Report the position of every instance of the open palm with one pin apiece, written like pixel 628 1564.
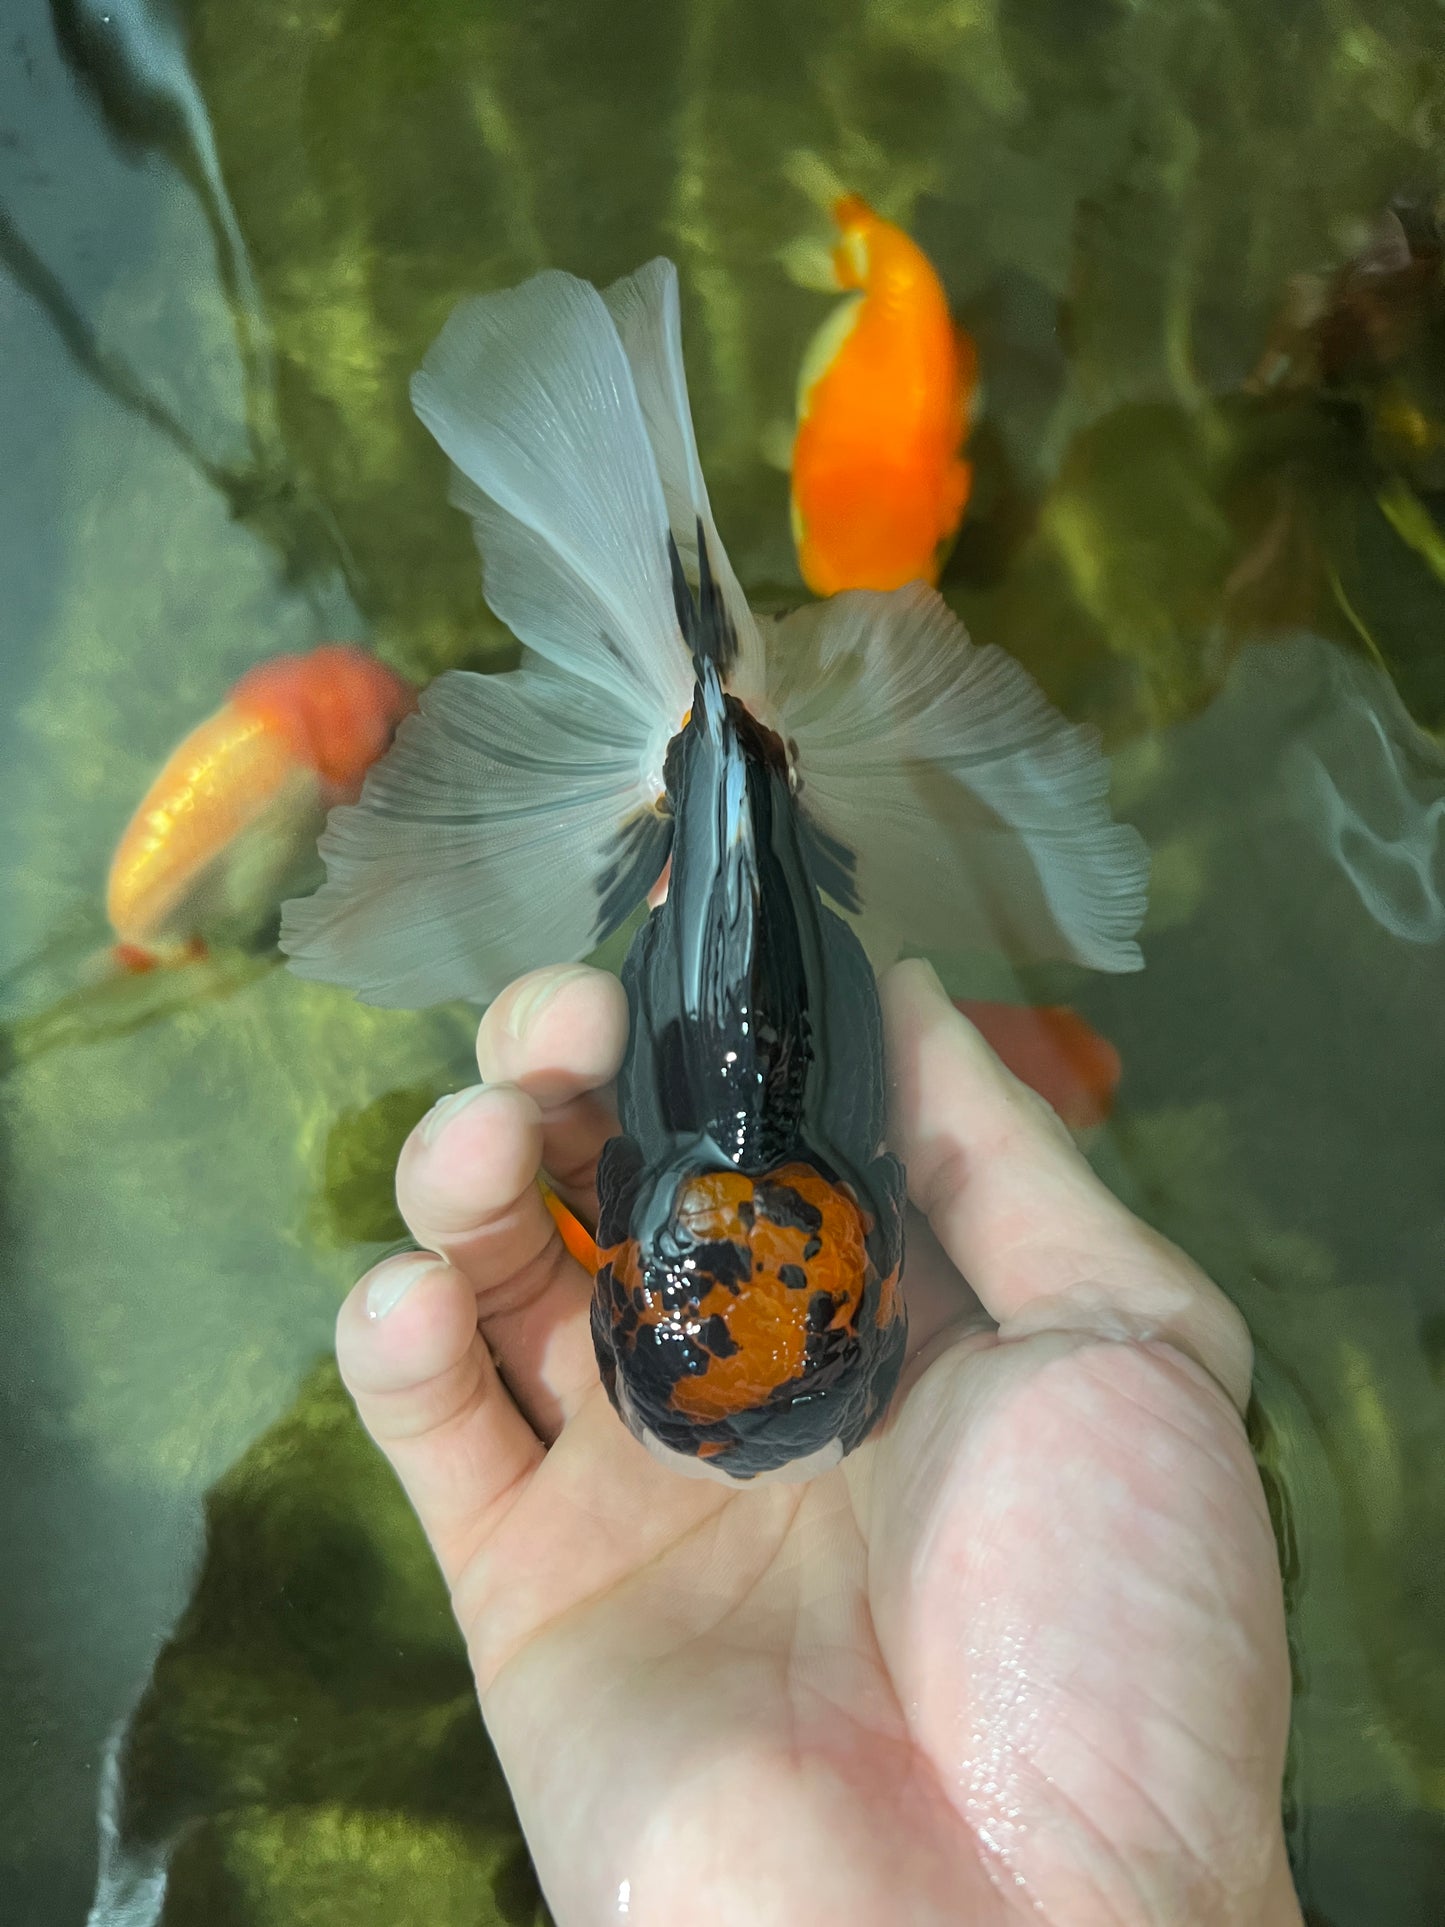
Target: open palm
pixel 1020 1657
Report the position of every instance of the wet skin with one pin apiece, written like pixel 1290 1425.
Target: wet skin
pixel 1021 1657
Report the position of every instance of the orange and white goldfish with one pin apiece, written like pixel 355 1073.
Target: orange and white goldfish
pixel 879 483
pixel 857 759
pixel 1056 1053
pixel 233 817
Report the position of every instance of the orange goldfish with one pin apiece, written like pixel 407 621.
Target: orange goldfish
pixel 884 401
pixel 1052 1050
pixel 236 811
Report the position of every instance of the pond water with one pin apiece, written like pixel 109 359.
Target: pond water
pixel 227 234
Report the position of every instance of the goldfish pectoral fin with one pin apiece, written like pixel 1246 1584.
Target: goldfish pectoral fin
pixel 957 487
pixel 646 313
pixel 138 959
pixel 974 814
pixel 808 263
pixel 133 959
pixel 576 548
pixel 812 177
pixel 499 834
pixel 775 445
pixel 969 385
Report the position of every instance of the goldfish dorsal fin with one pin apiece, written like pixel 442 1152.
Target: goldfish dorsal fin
pixel 645 309
pixel 704 619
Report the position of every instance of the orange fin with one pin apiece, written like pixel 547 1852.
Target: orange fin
pixel 134 959
pixel 574 1233
pixel 1052 1050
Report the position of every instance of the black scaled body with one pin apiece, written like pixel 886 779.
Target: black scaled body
pixel 747 1309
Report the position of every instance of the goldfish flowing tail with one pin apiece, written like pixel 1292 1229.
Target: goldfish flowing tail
pixel 517 820
pixel 976 816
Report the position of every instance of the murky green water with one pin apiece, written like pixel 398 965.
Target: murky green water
pixel 215 279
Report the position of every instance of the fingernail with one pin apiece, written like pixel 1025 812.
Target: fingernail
pixel 446 1108
pixel 535 998
pixel 389 1287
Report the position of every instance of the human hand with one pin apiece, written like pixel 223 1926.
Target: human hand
pixel 1021 1656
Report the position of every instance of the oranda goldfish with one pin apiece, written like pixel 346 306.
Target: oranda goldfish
pixel 230 823
pixel 1056 1053
pixel 858 760
pixel 884 399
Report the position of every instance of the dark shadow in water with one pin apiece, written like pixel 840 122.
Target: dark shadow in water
pixel 99 1013
pixel 245 489
pixel 310 1736
pixel 266 494
pixel 129 57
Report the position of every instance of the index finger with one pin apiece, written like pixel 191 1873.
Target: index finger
pixel 1014 1203
pixel 559 1035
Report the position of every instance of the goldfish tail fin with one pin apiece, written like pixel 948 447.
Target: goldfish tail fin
pixel 974 815
pixel 530 393
pixel 516 820
pixel 507 828
pixel 811 176
pixel 565 413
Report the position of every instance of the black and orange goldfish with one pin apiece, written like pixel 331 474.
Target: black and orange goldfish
pixel 855 774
